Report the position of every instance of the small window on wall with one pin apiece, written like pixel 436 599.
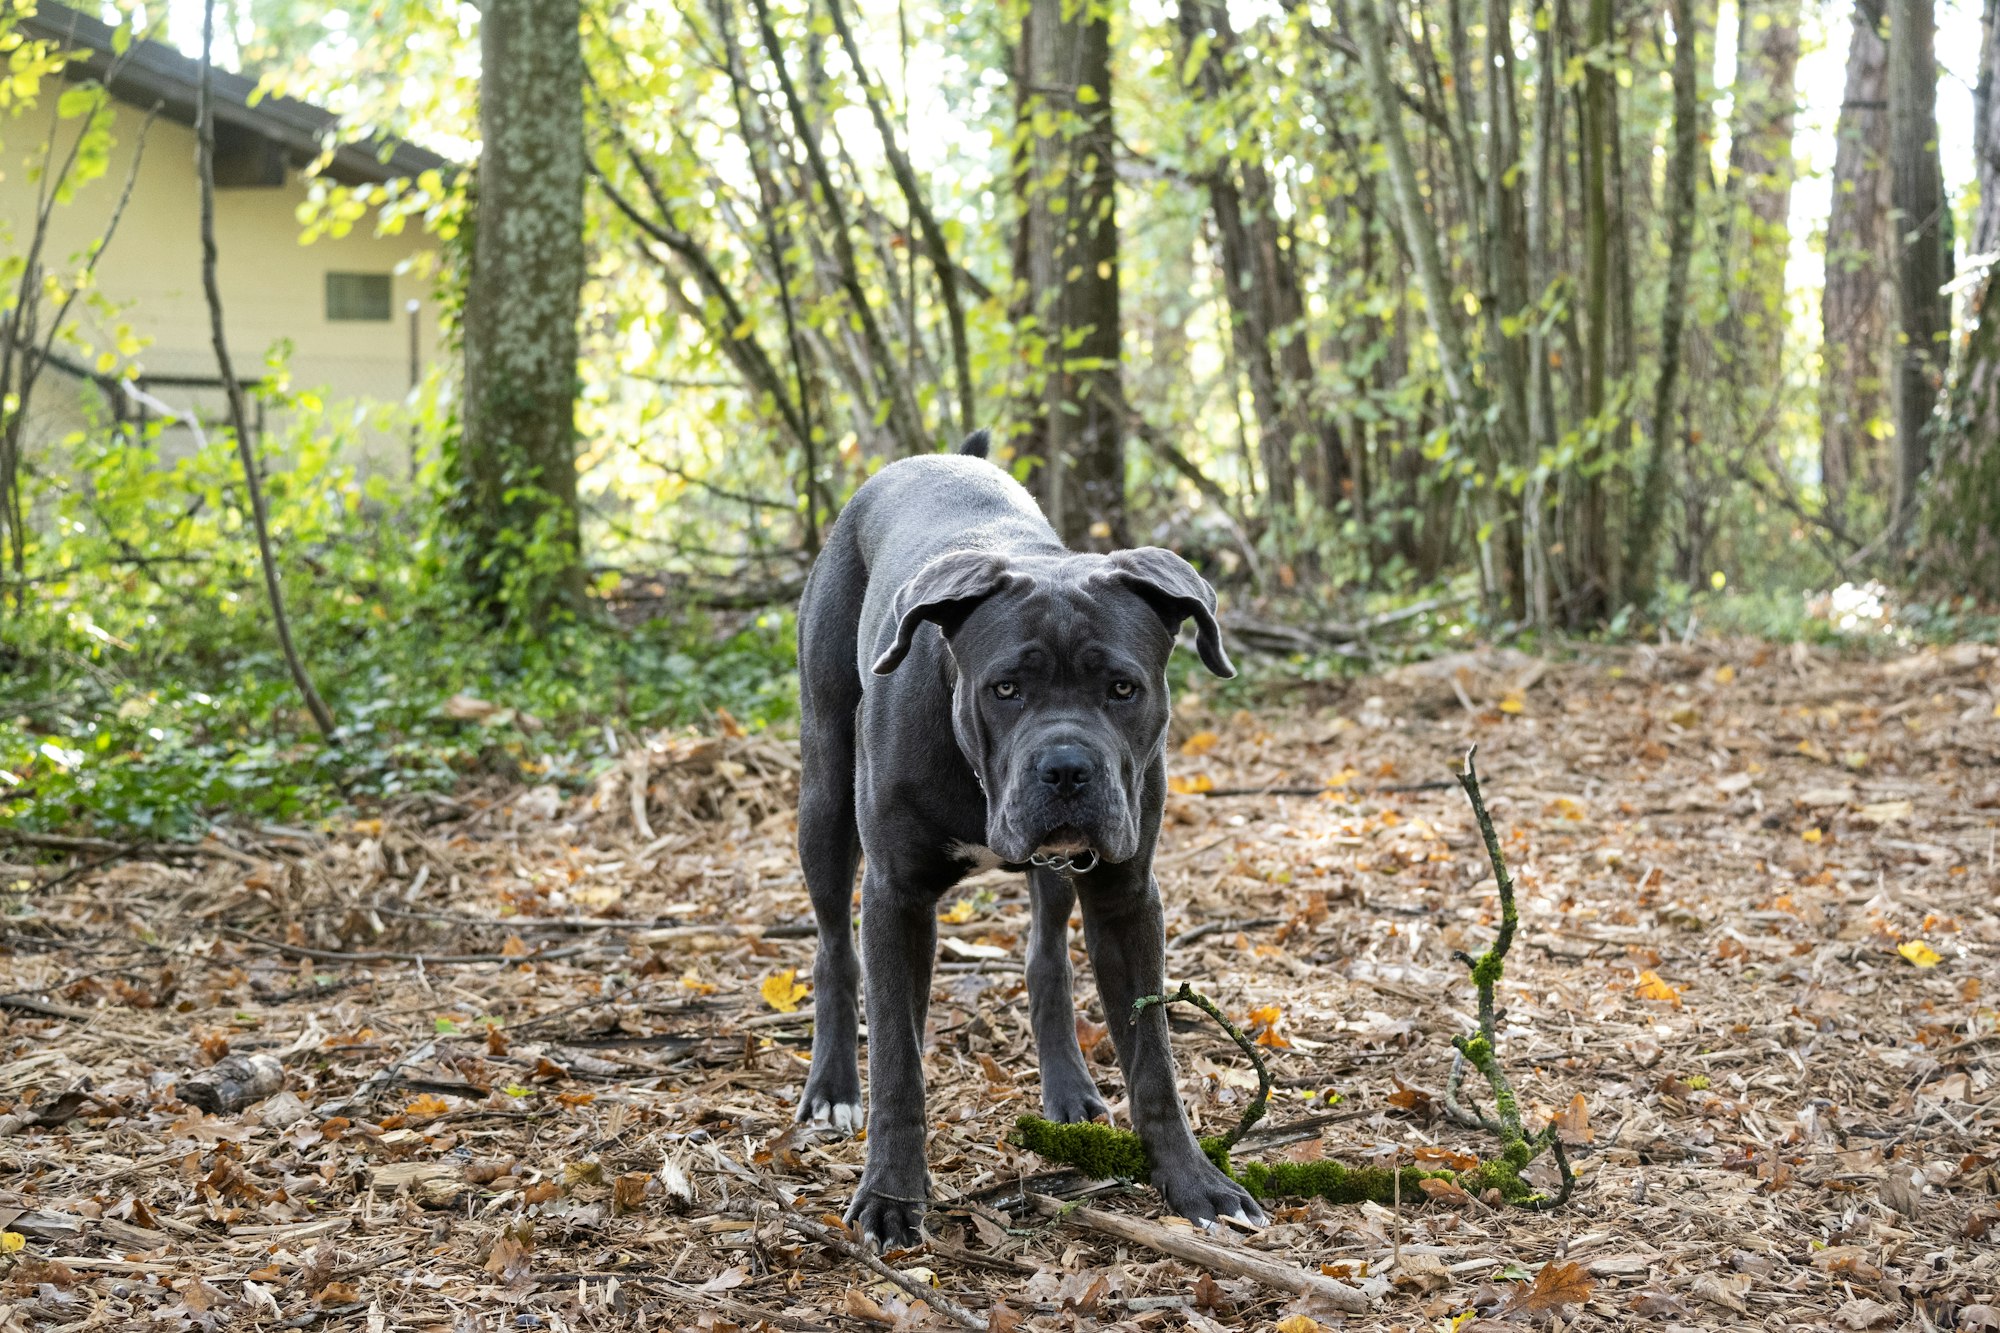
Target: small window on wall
pixel 358 296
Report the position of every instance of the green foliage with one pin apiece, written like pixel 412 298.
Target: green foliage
pixel 144 692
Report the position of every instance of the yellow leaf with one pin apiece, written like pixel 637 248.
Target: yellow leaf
pixel 12 1241
pixel 429 1106
pixel 1299 1323
pixel 1920 953
pixel 1513 703
pixel 960 913
pixel 1812 835
pixel 1724 674
pixel 1193 786
pixel 691 980
pixel 1200 743
pixel 783 991
pixel 1650 987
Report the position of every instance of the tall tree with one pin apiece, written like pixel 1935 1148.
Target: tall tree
pixel 517 450
pixel 1761 174
pixel 1067 255
pixel 1682 179
pixel 1963 507
pixel 1858 301
pixel 1923 313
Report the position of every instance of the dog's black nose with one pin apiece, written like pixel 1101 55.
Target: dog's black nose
pixel 1066 768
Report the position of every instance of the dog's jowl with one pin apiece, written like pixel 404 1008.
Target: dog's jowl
pixel 972 693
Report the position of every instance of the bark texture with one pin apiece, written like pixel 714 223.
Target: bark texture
pixel 1067 254
pixel 1923 315
pixel 517 453
pixel 1859 297
pixel 1762 171
pixel 1963 537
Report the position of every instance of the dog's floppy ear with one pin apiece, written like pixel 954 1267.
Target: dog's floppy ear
pixel 945 591
pixel 1173 589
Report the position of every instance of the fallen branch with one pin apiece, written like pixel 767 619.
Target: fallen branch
pixel 1229 1260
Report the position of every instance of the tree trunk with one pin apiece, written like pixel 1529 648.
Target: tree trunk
pixel 1761 172
pixel 1069 257
pixel 1859 297
pixel 1591 558
pixel 517 451
pixel 1963 507
pixel 1923 315
pixel 1681 181
pixel 1986 136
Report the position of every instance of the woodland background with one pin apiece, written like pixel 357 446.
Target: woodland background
pixel 1411 324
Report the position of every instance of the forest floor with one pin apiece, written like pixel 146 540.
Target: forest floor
pixel 540 1054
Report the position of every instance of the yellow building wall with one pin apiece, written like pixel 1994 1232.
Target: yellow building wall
pixel 273 287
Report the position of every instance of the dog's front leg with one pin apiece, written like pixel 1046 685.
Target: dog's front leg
pixel 898 942
pixel 1069 1094
pixel 1126 932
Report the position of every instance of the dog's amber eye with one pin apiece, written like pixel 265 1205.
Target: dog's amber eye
pixel 1007 689
pixel 1123 689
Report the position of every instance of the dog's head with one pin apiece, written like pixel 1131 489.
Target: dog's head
pixel 1059 684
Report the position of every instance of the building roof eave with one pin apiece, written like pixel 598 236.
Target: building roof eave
pixel 153 75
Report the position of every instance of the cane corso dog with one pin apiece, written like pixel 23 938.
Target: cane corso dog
pixel 972 694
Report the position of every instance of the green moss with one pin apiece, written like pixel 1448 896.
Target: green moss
pixel 1099 1151
pixel 1487 970
pixel 1335 1182
pixel 1104 1153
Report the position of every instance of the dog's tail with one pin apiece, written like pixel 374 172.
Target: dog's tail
pixel 976 444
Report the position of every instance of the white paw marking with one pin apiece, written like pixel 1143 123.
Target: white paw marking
pixel 840 1117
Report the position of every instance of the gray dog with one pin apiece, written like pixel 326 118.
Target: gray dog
pixel 972 694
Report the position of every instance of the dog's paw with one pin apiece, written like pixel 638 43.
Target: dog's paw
pixel 886 1223
pixel 1201 1193
pixel 1069 1103
pixel 836 1117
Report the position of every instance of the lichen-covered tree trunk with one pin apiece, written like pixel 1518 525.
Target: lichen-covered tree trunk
pixel 1923 315
pixel 1068 254
pixel 1859 297
pixel 517 449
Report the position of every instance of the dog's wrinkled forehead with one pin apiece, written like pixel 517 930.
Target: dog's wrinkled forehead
pixel 1064 613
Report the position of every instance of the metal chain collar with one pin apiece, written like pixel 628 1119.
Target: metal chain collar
pixel 1066 865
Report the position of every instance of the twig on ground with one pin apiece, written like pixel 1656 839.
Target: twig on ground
pixel 112 848
pixel 834 1240
pixel 375 1082
pixel 1229 1260
pixel 1219 1148
pixel 1203 931
pixel 388 956
pixel 681 1291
